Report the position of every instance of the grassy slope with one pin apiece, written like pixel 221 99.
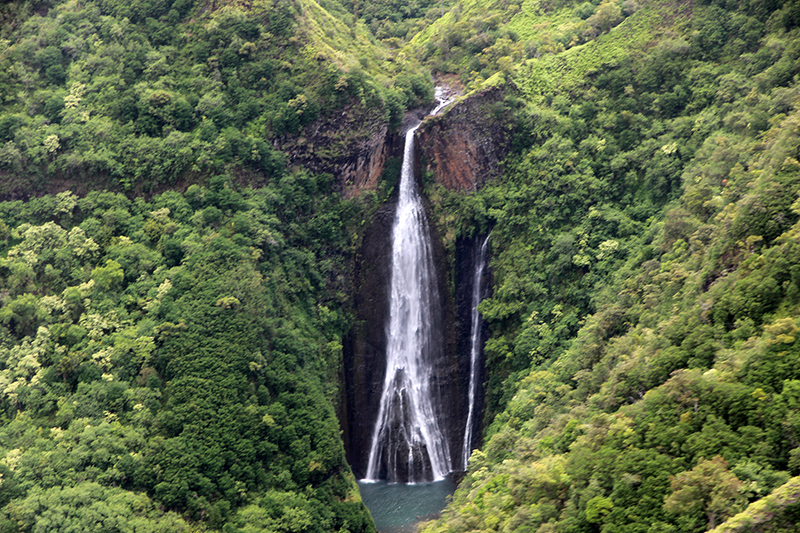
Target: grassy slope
pixel 563 72
pixel 645 311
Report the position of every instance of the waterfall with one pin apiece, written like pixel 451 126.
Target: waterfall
pixel 408 443
pixel 475 349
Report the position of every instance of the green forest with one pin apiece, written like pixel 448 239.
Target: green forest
pixel 177 259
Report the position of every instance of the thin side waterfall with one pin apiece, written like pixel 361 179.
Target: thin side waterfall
pixel 408 444
pixel 475 349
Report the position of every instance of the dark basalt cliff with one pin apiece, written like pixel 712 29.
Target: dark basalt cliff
pixel 467 252
pixel 365 346
pixel 463 147
pixel 353 146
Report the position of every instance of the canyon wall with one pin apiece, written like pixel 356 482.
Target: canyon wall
pixel 462 148
pixel 353 146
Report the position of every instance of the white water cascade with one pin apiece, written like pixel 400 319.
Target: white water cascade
pixel 475 350
pixel 407 442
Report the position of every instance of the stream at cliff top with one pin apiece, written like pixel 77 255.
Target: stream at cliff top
pixel 399 507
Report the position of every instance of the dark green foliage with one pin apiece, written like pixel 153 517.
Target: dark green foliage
pixel 395 21
pixel 174 361
pixel 644 313
pixel 141 96
pixel 181 361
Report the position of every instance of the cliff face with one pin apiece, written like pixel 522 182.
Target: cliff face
pixel 365 346
pixel 463 147
pixel 353 146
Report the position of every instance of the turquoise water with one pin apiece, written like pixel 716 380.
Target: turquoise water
pixel 398 508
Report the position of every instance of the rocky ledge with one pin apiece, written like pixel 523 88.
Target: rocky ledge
pixel 463 146
pixel 353 145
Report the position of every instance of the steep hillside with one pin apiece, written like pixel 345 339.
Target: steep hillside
pixel 643 362
pixel 171 351
pixel 777 512
pixel 172 363
pixel 146 96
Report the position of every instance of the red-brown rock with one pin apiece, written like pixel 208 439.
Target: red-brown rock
pixel 463 147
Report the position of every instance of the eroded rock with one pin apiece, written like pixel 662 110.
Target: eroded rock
pixel 463 147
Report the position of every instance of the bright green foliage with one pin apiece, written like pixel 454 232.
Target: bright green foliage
pixel 708 487
pixel 171 355
pixel 477 38
pixel 644 236
pixel 142 99
pixel 777 512
pixel 394 21
pixel 93 507
pixel 598 508
pixel 472 40
pixel 174 361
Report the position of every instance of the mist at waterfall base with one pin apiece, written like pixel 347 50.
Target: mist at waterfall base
pixel 399 507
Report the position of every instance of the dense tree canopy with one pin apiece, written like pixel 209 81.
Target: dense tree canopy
pixel 644 231
pixel 174 287
pixel 173 355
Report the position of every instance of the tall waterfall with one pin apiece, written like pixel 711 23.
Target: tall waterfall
pixel 475 350
pixel 408 443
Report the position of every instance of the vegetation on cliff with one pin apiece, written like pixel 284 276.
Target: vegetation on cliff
pixel 171 363
pixel 146 96
pixel 643 362
pixel 170 359
pixel 175 356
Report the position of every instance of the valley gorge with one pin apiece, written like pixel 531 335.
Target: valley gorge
pixel 207 209
pixel 452 372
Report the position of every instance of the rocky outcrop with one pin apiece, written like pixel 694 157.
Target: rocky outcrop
pixel 365 344
pixel 353 146
pixel 451 394
pixel 463 147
